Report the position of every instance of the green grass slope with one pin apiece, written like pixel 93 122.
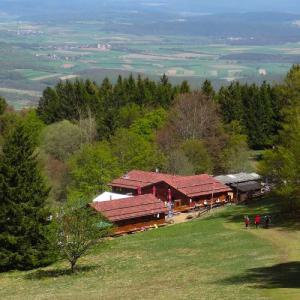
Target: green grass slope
pixel 210 258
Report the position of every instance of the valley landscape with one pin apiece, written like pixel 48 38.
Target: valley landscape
pixel 39 49
pixel 150 149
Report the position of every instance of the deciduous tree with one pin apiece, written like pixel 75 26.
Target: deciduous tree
pixel 75 230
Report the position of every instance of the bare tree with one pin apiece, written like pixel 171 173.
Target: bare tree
pixel 88 127
pixel 194 116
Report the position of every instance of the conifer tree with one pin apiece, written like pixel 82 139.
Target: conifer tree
pixel 3 105
pixel 208 89
pixel 23 213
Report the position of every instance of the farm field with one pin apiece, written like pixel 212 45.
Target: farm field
pixel 36 55
pixel 209 258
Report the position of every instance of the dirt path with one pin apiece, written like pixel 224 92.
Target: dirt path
pixel 287 244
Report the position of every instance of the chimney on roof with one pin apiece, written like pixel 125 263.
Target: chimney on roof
pixel 157 170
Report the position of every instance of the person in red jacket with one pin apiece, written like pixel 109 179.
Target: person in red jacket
pixel 257 221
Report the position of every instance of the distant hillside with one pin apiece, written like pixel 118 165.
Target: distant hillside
pixel 55 9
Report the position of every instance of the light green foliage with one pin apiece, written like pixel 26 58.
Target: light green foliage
pixel 291 87
pixel 75 230
pixel 34 125
pixel 61 139
pixel 91 169
pixel 88 130
pixel 198 156
pixel 282 164
pixel 178 163
pixel 235 155
pixel 150 123
pixel 134 152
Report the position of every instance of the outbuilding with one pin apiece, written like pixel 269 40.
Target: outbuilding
pixel 244 185
pixel 133 213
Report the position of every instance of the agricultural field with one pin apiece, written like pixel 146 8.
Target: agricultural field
pixel 36 55
pixel 209 258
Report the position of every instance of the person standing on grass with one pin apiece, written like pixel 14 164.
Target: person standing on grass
pixel 257 221
pixel 267 221
pixel 247 222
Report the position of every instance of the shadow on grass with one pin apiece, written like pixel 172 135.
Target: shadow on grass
pixel 284 275
pixel 41 274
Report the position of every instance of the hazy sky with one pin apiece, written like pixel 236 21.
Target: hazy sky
pixel 199 6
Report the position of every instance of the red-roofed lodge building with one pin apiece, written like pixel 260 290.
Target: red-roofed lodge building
pixel 184 191
pixel 133 213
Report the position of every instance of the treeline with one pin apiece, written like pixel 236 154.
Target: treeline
pixel 281 165
pixel 93 133
pixel 256 108
pixel 112 105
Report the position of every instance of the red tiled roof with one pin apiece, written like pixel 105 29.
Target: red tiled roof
pixel 129 208
pixel 191 186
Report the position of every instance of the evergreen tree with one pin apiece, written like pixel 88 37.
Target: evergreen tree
pixel 3 105
pixel 230 100
pixel 24 217
pixel 184 87
pixel 208 89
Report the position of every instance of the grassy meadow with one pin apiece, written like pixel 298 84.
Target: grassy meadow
pixel 209 258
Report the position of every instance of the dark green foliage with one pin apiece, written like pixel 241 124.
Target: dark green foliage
pixel 7 121
pixel 230 100
pixel 258 115
pixel 3 105
pixel 106 102
pixel 207 89
pixel 23 214
pixel 185 87
pixel 257 108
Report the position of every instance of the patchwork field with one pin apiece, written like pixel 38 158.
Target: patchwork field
pixel 36 55
pixel 210 258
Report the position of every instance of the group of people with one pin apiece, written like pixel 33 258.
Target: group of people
pixel 258 220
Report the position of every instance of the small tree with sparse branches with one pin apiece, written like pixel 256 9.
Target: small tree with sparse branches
pixel 76 230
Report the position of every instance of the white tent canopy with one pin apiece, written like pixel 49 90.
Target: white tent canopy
pixel 107 196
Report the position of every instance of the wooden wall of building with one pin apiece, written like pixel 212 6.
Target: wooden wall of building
pixel 136 224
pixel 181 201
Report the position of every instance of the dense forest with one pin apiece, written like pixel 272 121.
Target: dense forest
pixel 89 133
pixel 83 134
